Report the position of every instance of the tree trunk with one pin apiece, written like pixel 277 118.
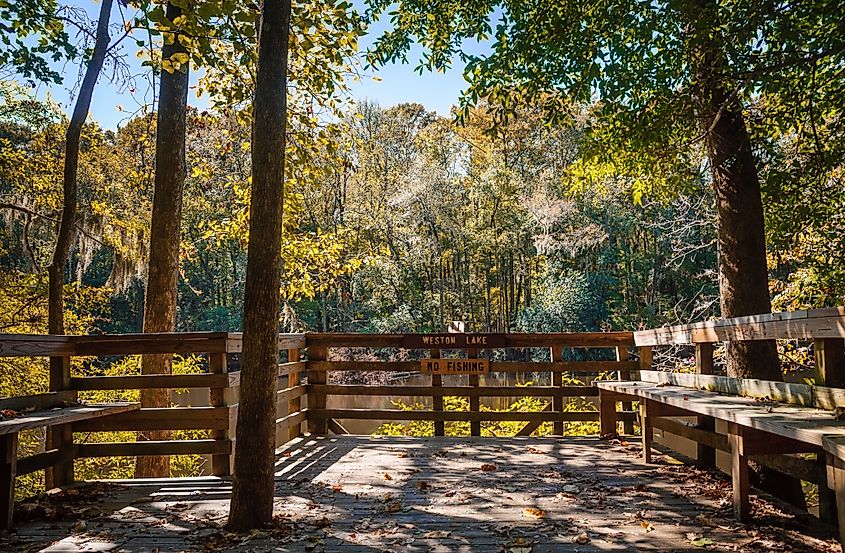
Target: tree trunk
pixel 163 273
pixel 67 227
pixel 743 274
pixel 252 491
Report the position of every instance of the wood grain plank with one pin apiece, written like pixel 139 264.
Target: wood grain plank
pixel 501 366
pixel 397 414
pixel 46 400
pixel 65 415
pixel 168 418
pixel 167 447
pixel 460 391
pixel 147 381
pixel 520 340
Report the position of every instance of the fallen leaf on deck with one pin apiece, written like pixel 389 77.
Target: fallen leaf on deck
pixel 649 527
pixel 531 512
pixel 387 476
pixel 487 467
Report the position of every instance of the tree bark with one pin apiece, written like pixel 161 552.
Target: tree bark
pixel 67 226
pixel 163 272
pixel 252 490
pixel 743 273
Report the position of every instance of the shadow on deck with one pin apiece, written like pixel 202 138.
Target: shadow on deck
pixel 355 493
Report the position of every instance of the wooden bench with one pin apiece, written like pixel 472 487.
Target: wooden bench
pixel 756 425
pixel 52 410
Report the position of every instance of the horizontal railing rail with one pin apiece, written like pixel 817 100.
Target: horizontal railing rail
pixel 807 325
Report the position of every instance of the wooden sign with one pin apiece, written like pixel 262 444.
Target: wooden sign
pixel 453 340
pixel 454 366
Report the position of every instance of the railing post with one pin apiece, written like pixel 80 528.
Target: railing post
pixel 830 362
pixel 646 358
pixel 623 355
pixel 317 424
pixel 705 455
pixel 295 404
pixel 60 437
pixel 556 354
pixel 437 401
pixel 475 400
pixel 221 463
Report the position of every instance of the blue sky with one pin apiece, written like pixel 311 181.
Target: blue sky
pixel 398 83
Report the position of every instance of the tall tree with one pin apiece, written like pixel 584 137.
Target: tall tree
pixel 743 275
pixel 252 491
pixel 163 271
pixel 67 226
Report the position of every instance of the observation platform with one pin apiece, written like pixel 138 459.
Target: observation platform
pixel 366 494
pixel 534 487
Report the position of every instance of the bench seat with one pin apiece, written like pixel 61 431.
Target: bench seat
pixel 754 427
pixel 41 418
pixel 63 415
pixel 804 424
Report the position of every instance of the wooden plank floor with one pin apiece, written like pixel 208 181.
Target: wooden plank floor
pixel 366 494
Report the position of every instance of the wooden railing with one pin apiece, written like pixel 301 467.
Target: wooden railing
pixel 322 419
pixel 218 417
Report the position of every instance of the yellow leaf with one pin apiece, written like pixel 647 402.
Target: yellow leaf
pixel 180 57
pixel 532 512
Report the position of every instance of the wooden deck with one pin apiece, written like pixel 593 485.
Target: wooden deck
pixel 354 493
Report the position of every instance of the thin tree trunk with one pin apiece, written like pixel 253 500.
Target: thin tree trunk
pixel 252 492
pixel 163 272
pixel 67 227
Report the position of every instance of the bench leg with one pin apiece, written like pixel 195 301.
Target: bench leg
pixel 646 429
pixel 607 413
pixel 828 511
pixel 836 478
pixel 8 470
pixel 706 455
pixel 60 437
pixel 739 475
